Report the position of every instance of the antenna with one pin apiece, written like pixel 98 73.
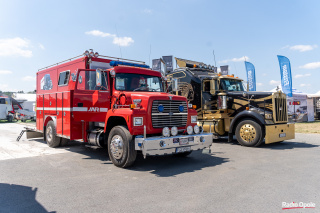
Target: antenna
pixel 118 43
pixel 214 57
pixel 150 55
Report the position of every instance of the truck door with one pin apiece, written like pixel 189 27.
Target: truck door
pixel 209 99
pixel 91 102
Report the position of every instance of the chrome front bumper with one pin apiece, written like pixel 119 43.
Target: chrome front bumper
pixel 169 145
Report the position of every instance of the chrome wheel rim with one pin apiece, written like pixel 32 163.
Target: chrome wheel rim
pixel 49 133
pixel 248 132
pixel 116 147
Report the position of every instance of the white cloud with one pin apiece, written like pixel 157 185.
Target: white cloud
pixel 313 65
pixel 147 11
pixel 5 72
pixel 121 41
pixel 264 74
pixel 15 47
pixel 259 84
pixel 274 82
pixel 305 85
pixel 318 93
pixel 29 78
pixel 41 46
pixel 99 33
pixel 301 48
pixel 302 75
pixel 243 58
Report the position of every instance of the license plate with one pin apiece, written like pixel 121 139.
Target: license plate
pixel 183 149
pixel 183 141
pixel 282 135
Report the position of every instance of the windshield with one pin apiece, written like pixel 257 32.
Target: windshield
pixel 231 85
pixel 137 82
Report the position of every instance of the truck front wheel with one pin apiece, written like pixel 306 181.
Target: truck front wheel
pixel 249 133
pixel 51 135
pixel 121 148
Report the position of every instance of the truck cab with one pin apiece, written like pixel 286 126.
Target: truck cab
pixel 226 109
pixel 115 103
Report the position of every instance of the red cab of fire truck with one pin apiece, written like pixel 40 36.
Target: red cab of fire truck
pixel 115 103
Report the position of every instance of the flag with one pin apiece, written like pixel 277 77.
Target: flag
pixel 251 76
pixel 169 62
pixel 224 70
pixel 285 72
pixel 156 64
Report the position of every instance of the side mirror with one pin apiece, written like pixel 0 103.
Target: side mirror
pixel 212 87
pixel 174 84
pixel 98 77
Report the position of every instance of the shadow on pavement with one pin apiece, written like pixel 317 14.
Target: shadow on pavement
pixel 287 145
pixel 162 166
pixel 17 198
pixel 167 166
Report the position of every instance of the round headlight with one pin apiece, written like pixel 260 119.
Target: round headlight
pixel 166 132
pixel 86 53
pixel 189 130
pixel 196 129
pixel 96 54
pixel 160 108
pixel 205 66
pixel 174 131
pixel 181 108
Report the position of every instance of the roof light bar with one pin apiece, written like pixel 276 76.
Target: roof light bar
pixel 116 63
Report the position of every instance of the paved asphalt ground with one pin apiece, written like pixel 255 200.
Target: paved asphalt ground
pixel 79 178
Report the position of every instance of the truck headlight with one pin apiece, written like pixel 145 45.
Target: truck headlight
pixel 194 119
pixel 174 131
pixel 196 129
pixel 166 132
pixel 189 130
pixel 222 101
pixel 268 116
pixel 138 121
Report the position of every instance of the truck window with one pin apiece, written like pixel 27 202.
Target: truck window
pixel 206 86
pixel 137 82
pixel 2 101
pixel 64 78
pixel 87 81
pixel 231 85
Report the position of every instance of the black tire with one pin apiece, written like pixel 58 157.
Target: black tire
pixel 64 141
pixel 249 133
pixel 183 154
pixel 10 119
pixel 121 147
pixel 51 135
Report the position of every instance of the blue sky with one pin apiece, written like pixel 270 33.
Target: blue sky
pixel 35 34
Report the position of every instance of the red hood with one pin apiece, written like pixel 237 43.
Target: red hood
pixel 151 96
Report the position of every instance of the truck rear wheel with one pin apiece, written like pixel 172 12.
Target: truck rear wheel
pixel 121 147
pixel 249 133
pixel 51 135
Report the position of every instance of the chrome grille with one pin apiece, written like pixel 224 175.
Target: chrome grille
pixel 280 111
pixel 170 116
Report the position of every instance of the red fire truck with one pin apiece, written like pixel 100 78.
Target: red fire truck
pixel 115 103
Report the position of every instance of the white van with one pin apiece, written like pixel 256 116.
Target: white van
pixel 5 109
